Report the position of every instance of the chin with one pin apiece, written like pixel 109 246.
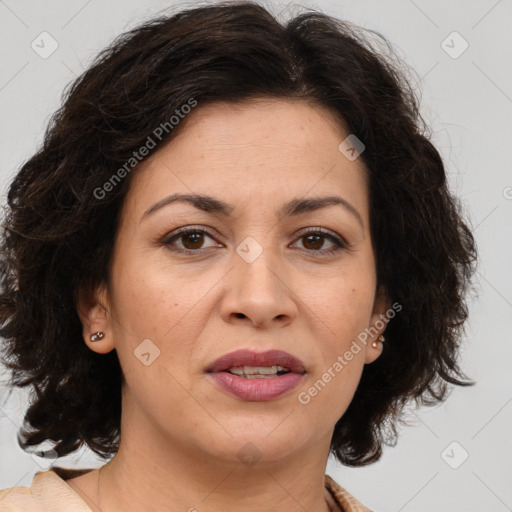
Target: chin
pixel 251 449
pixel 269 440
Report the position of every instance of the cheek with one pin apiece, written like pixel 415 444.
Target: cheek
pixel 157 314
pixel 327 395
pixel 343 308
pixel 151 299
pixel 140 311
pixel 155 327
pixel 346 307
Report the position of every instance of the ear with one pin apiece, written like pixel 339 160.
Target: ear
pixel 93 310
pixel 378 323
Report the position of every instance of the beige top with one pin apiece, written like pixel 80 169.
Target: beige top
pixel 49 492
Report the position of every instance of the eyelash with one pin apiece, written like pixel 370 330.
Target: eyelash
pixel 339 243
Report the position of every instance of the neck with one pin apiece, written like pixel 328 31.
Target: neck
pixel 138 482
pixel 162 475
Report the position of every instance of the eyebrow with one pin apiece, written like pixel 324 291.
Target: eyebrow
pixel 294 207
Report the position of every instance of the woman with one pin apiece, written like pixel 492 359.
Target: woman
pixel 234 254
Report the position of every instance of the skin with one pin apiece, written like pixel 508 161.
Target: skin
pixel 180 432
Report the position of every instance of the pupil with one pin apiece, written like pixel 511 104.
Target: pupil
pixel 196 237
pixel 318 238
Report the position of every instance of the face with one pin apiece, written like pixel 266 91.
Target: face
pixel 257 266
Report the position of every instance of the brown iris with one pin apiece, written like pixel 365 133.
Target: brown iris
pixel 196 238
pixel 317 244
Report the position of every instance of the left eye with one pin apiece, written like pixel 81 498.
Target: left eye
pixel 315 240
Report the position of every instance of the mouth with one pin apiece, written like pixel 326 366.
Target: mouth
pixel 257 376
pixel 249 364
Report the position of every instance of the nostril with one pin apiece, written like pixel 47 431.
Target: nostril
pixel 240 315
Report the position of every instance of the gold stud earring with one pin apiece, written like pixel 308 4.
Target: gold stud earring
pixel 381 339
pixel 97 336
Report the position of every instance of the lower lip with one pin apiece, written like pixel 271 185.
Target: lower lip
pixel 257 390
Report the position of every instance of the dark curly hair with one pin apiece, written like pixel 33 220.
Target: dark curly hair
pixel 58 234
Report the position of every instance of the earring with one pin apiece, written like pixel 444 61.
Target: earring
pixel 381 339
pixel 97 336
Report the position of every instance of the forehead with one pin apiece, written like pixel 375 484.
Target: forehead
pixel 297 127
pixel 256 152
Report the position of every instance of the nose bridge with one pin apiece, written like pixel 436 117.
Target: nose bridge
pixel 263 271
pixel 257 268
pixel 257 288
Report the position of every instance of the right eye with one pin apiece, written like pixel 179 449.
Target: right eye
pixel 190 239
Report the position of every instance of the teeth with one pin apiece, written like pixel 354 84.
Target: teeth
pixel 270 376
pixel 257 372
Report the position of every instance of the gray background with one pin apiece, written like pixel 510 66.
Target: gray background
pixel 468 102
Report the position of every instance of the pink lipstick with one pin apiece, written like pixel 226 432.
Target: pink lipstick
pixel 257 376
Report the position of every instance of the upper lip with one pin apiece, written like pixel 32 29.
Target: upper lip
pixel 250 358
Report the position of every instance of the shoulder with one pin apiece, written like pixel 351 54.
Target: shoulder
pixel 343 498
pixel 48 491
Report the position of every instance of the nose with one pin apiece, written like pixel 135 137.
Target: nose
pixel 259 294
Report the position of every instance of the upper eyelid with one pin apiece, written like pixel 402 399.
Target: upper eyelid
pixel 302 232
pixel 319 229
pixel 186 229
